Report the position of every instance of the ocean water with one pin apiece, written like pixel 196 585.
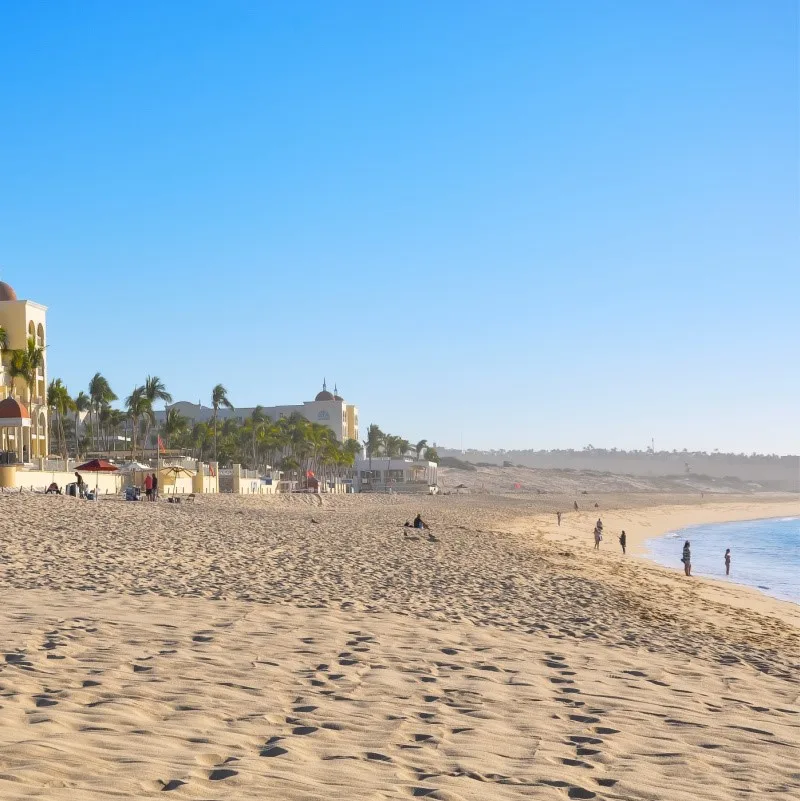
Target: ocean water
pixel 764 553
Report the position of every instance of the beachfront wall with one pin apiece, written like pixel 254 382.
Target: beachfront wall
pixel 249 482
pixel 12 477
pixel 382 473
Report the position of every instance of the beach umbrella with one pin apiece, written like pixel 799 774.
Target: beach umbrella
pixel 96 466
pixel 174 471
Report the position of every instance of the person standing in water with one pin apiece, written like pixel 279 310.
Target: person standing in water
pixel 623 541
pixel 727 561
pixel 687 558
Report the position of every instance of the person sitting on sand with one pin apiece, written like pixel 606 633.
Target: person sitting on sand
pixel 419 522
pixel 727 561
pixel 623 541
pixel 598 536
pixel 53 489
pixel 407 524
pixel 687 558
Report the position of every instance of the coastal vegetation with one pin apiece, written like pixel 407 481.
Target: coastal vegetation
pixel 90 422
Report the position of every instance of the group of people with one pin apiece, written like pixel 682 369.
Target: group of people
pixel 151 487
pixel 686 558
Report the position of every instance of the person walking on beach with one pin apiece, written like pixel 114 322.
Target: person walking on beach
pixel 687 558
pixel 727 561
pixel 154 496
pixel 598 536
pixel 148 487
pixel 576 506
pixel 623 541
pixel 558 517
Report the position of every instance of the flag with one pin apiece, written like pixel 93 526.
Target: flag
pixel 161 448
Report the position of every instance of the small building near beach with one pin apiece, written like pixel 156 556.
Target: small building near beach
pixel 382 474
pixel 24 327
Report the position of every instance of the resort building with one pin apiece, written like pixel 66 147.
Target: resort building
pixel 327 408
pixel 23 407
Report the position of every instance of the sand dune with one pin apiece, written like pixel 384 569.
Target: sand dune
pixel 236 649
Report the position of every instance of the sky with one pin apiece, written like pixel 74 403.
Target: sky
pixel 502 224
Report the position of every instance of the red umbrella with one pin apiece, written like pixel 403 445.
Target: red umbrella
pixel 97 466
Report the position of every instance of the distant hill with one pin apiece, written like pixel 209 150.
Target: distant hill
pixel 779 473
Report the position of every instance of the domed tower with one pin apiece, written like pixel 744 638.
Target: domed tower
pixel 324 395
pixel 7 292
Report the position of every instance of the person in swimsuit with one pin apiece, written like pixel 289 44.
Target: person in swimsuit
pixel 623 541
pixel 728 562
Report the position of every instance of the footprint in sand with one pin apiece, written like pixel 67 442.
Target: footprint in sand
pixel 580 792
pixel 374 756
pixel 222 773
pixel 172 784
pixel 270 750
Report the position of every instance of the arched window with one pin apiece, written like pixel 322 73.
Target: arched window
pixel 40 336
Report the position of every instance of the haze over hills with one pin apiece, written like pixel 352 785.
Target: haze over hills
pixel 780 473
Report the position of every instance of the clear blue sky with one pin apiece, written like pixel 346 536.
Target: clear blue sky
pixel 536 224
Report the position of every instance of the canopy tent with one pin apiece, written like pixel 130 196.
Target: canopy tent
pixel 134 467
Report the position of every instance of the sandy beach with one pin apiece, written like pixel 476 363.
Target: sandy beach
pixel 300 648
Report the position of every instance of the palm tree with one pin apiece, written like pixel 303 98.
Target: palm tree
pixel 154 390
pixel 100 394
pixel 82 403
pixel 25 364
pixel 114 418
pixel 419 447
pixel 60 403
pixel 174 424
pixel 139 407
pixel 3 339
pixel 257 420
pixel 219 397
pixel 373 443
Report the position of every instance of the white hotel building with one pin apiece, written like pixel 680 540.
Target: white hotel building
pixel 327 408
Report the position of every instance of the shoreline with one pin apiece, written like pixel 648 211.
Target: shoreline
pixel 649 522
